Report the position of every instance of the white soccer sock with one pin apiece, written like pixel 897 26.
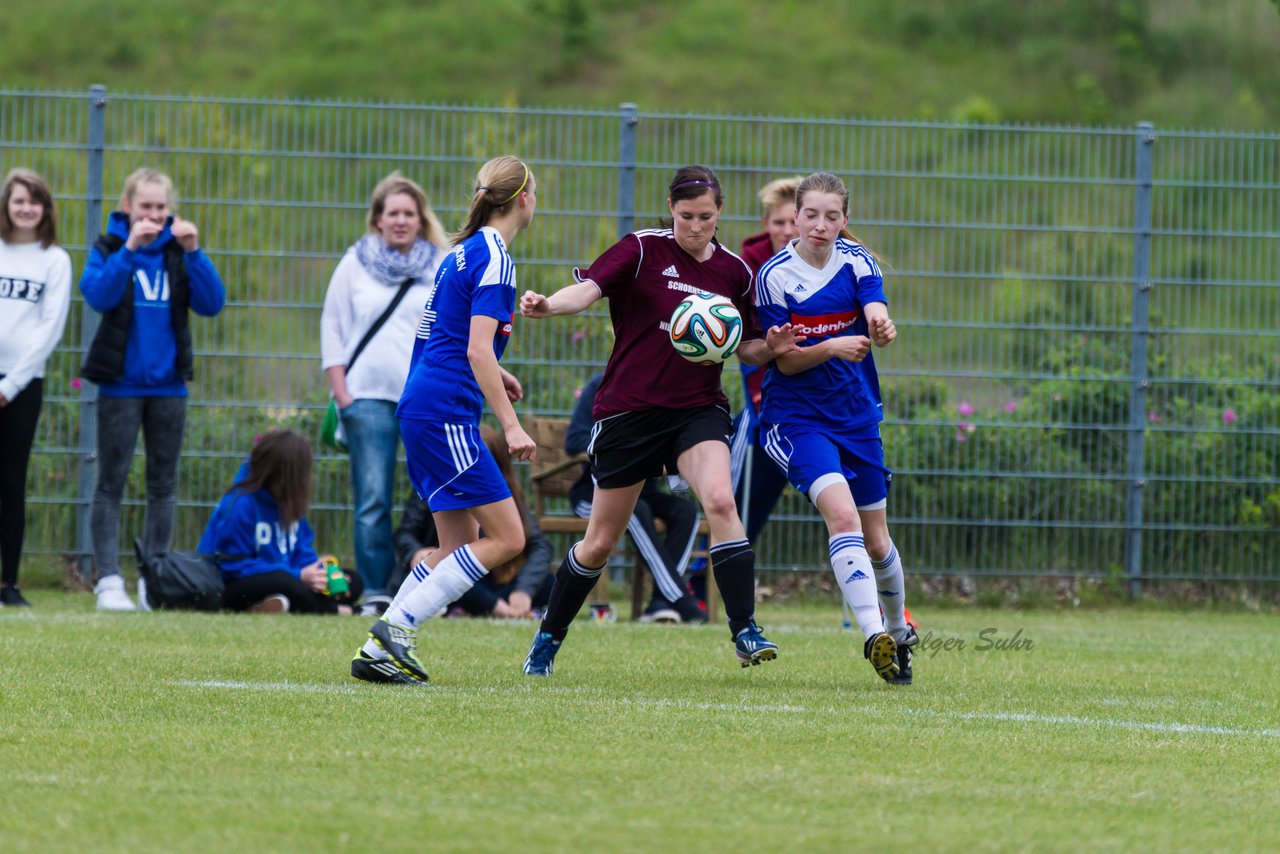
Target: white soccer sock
pixel 856 578
pixel 411 581
pixel 452 577
pixel 889 585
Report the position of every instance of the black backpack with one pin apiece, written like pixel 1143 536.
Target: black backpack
pixel 188 581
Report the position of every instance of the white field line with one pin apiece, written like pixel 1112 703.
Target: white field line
pixel 640 702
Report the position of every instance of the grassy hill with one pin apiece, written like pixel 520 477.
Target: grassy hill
pixel 1179 63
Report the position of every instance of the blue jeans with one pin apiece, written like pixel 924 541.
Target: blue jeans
pixel 372 436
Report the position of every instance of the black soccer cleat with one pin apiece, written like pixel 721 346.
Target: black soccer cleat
pixel 400 642
pixel 882 651
pixel 906 639
pixel 366 668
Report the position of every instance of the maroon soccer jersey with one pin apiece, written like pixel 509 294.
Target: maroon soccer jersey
pixel 646 275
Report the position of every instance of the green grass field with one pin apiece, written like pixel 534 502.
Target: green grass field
pixel 1118 729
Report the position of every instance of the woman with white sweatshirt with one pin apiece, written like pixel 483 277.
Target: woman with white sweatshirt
pixel 35 290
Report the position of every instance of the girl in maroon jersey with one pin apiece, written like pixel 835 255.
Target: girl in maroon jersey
pixel 656 412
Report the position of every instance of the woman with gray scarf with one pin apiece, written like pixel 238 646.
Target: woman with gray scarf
pixel 401 251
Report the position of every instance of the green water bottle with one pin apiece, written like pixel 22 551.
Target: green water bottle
pixel 338 583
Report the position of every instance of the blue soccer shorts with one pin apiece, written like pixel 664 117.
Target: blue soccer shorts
pixel 814 460
pixel 450 467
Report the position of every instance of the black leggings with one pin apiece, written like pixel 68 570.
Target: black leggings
pixel 17 434
pixel 243 592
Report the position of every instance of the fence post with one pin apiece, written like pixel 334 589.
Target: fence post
pixel 627 169
pixel 88 451
pixel 1140 332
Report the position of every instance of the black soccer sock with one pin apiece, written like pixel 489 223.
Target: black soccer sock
pixel 574 583
pixel 734 564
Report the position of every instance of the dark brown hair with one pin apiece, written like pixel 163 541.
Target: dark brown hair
pixel 496 442
pixel 498 184
pixel 691 182
pixel 281 464
pixel 47 230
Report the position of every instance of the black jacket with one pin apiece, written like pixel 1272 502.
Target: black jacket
pixel 105 360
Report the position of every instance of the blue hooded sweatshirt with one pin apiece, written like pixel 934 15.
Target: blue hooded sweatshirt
pixel 249 524
pixel 150 361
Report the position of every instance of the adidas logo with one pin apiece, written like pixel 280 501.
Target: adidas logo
pixel 386 668
pixel 857 574
pixel 671 271
pixel 800 287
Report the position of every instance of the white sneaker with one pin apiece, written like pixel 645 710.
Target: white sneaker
pixel 143 604
pixel 111 595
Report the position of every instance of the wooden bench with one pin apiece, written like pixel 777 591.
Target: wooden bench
pixel 553 473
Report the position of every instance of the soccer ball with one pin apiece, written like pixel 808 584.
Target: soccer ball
pixel 705 328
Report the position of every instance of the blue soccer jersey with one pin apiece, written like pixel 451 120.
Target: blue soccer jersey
pixel 836 395
pixel 476 278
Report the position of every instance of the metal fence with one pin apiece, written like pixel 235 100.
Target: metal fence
pixel 1085 381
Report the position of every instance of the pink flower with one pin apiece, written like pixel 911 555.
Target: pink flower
pixel 1011 406
pixel 960 437
pixel 1229 416
pixel 577 392
pixel 1154 417
pixel 76 384
pixel 1057 398
pixel 579 335
pixel 257 437
pixel 965 409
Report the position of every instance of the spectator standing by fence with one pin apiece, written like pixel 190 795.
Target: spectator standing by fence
pixel 145 275
pixel 35 291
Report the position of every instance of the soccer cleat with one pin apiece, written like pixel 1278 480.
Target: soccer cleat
pixel 400 642
pixel 542 655
pixel 111 594
pixel 12 597
pixel 366 668
pixel 906 639
pixel 752 647
pixel 882 651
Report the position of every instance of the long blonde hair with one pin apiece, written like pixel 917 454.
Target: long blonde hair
pixel 498 184
pixel 429 227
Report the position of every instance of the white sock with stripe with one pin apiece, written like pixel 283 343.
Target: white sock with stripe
pixel 411 581
pixel 452 577
pixel 889 585
pixel 852 566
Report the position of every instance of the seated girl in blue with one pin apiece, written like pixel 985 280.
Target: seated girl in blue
pixel 263 517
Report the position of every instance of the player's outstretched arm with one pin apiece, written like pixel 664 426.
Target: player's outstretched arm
pixel 778 341
pixel 570 300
